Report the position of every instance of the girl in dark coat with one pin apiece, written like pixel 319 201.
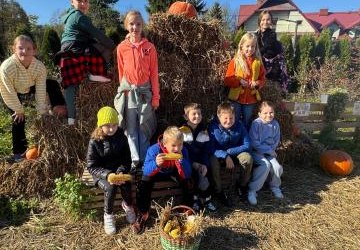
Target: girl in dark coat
pixel 109 154
pixel 271 51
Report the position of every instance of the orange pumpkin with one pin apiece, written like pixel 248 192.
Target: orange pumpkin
pixel 183 8
pixel 60 111
pixel 32 153
pixel 336 162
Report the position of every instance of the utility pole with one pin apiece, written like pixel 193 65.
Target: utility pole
pixel 297 23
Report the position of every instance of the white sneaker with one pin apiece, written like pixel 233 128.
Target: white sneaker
pixel 252 198
pixel 98 78
pixel 71 121
pixel 129 211
pixel 277 193
pixel 109 224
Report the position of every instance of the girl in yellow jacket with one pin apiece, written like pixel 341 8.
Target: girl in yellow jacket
pixel 245 76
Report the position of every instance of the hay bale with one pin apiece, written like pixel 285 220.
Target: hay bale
pixel 192 64
pixel 63 148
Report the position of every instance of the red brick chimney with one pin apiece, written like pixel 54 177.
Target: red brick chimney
pixel 324 12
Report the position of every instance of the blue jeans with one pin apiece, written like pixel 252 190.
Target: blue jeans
pixel 244 112
pixel 268 168
pixel 137 140
pixel 70 95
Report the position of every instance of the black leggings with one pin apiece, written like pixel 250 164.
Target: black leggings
pixel 110 193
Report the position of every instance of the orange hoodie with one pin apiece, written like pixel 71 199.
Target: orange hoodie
pixel 138 63
pixel 233 82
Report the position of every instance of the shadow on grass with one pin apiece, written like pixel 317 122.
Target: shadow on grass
pixel 226 238
pixel 14 212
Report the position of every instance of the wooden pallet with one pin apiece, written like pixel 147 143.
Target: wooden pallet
pixel 161 189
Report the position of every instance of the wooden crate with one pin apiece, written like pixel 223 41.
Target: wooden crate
pixel 161 189
pixel 348 126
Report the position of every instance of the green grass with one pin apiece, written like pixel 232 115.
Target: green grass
pixel 5 132
pixel 5 129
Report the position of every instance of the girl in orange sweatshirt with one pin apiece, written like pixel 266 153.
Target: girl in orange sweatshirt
pixel 138 94
pixel 244 76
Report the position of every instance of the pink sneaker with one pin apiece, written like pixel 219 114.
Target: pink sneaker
pixel 129 211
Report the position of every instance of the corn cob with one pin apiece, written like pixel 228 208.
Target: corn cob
pixel 113 178
pixel 172 156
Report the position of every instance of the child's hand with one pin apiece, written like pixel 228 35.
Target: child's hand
pixel 202 170
pixel 18 117
pixel 244 83
pixel 160 159
pixel 229 163
pixel 253 84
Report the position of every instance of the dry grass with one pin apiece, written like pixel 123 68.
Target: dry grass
pixel 318 212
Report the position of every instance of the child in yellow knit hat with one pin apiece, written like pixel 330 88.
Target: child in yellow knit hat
pixel 108 157
pixel 244 76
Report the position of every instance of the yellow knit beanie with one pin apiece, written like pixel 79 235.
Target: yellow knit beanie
pixel 107 115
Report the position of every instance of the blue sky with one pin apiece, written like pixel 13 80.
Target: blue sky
pixel 46 9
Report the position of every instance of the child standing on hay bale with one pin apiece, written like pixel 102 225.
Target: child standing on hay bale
pixel 272 52
pixel 197 142
pixel 265 137
pixel 85 50
pixel 138 94
pixel 231 144
pixel 164 159
pixel 245 76
pixel 21 77
pixel 108 159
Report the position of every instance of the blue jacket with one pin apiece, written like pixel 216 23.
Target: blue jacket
pixel 197 142
pixel 232 141
pixel 265 137
pixel 150 166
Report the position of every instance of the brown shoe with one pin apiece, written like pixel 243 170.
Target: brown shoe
pixel 140 223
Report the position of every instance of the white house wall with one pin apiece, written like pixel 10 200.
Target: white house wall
pixel 282 26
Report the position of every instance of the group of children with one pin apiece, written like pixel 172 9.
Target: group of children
pixel 120 142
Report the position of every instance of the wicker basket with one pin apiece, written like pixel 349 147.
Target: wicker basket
pixel 188 243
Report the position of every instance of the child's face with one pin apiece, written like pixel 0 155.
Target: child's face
pixel 194 117
pixel 248 48
pixel 173 145
pixel 265 22
pixel 82 5
pixel 110 129
pixel 227 119
pixel 267 114
pixel 24 51
pixel 135 27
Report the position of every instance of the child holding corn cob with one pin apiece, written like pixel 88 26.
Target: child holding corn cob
pixel 163 160
pixel 245 76
pixel 197 142
pixel 109 161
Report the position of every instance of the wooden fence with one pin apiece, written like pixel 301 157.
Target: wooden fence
pixel 309 117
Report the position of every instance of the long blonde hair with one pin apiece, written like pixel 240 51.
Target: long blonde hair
pixel 240 60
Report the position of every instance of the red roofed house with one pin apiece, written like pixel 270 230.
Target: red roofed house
pixel 290 19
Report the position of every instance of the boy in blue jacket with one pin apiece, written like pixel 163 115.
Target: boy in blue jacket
pixel 197 142
pixel 231 144
pixel 160 163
